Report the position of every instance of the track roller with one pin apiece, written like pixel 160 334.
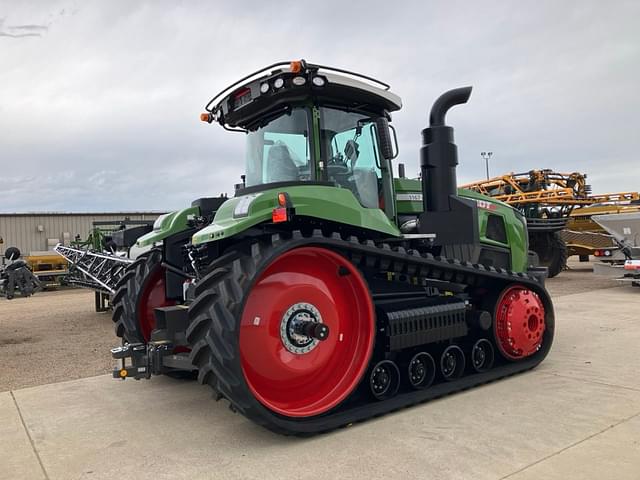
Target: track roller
pixel 421 370
pixel 452 362
pixel 482 355
pixel 384 380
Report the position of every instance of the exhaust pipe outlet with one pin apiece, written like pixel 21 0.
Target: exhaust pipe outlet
pixel 439 153
pixel 453 219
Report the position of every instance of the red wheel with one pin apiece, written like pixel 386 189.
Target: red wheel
pixel 519 322
pixel 153 296
pixel 288 369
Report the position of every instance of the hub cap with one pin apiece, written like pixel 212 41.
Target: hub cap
pixel 292 372
pixel 294 318
pixel 520 323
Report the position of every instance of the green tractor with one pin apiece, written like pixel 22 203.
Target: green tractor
pixel 327 291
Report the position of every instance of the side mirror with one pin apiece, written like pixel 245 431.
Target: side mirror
pixel 387 143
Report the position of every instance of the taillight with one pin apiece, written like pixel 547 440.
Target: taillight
pixel 283 210
pixel 279 215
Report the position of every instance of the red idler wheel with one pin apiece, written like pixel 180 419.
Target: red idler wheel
pixel 290 369
pixel 153 296
pixel 519 322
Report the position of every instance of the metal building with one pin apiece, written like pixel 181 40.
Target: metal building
pixel 35 232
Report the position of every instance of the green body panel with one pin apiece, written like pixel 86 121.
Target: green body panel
pixel 408 195
pixel 167 225
pixel 323 202
pixel 409 201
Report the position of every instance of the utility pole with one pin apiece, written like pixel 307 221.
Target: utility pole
pixel 486 156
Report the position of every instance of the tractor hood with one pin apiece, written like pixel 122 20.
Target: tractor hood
pixel 168 224
pixel 324 202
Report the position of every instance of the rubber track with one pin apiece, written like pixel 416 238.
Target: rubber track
pixel 128 289
pixel 215 315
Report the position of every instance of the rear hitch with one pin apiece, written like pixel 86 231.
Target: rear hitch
pixel 158 355
pixel 153 358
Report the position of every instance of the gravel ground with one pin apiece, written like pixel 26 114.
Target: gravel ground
pixel 51 337
pixel 56 336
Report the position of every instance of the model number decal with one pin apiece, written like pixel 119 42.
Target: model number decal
pixel 409 197
pixel 486 205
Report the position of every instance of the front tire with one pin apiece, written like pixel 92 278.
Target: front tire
pixel 241 339
pixel 551 250
pixel 140 290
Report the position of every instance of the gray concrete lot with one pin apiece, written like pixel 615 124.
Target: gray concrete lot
pixel 576 416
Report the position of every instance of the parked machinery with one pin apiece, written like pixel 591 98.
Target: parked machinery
pixel 102 261
pixel 556 206
pixel 624 226
pixel 584 236
pixel 15 273
pixel 326 291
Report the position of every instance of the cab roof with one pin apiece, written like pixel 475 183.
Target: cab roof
pixel 278 86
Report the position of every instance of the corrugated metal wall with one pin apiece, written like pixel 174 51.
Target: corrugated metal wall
pixel 22 230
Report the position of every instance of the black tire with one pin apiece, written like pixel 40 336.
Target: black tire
pixel 12 253
pixel 213 331
pixel 126 299
pixel 551 250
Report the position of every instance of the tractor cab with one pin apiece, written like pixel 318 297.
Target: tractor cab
pixel 310 124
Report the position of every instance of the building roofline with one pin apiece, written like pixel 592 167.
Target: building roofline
pixel 42 214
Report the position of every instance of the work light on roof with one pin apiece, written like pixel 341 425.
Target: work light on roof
pixel 318 81
pixel 278 83
pixel 264 88
pixel 299 81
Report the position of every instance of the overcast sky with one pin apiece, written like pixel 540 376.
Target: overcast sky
pixel 99 101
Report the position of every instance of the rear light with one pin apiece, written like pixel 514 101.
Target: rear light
pixel 279 215
pixel 598 253
pixel 284 209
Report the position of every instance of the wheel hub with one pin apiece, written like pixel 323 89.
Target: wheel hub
pixel 520 323
pixel 380 380
pixel 417 371
pixel 449 364
pixel 294 328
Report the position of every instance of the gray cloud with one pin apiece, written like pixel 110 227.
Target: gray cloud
pixel 103 112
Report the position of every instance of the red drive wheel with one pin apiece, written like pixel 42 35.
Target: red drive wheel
pixel 519 323
pixel 152 296
pixel 307 332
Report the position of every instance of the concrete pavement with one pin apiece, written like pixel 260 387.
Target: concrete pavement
pixel 576 416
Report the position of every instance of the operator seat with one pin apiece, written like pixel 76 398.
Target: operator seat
pixel 280 165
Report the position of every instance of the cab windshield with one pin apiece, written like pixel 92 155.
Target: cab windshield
pixel 279 151
pixel 349 142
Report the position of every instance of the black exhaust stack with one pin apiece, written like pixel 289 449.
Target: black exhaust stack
pixel 453 219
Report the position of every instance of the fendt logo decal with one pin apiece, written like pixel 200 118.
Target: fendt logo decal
pixel 486 205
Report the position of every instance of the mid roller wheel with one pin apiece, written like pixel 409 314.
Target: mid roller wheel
pixel 482 355
pixel 452 362
pixel 421 370
pixel 384 380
